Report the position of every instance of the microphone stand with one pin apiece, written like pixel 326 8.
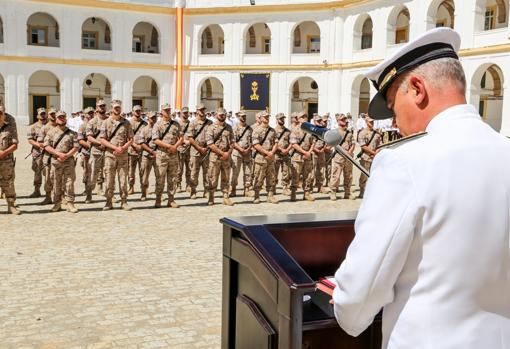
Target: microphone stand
pixel 348 156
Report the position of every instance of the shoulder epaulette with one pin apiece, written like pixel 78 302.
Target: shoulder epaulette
pixel 402 140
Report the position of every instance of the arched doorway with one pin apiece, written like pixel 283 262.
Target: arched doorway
pixel 491 14
pixel 258 39
pixel 96 86
pixel 211 93
pixel 43 30
pixel 304 96
pixel 96 35
pixel 488 89
pixel 212 40
pixel 145 38
pixel 43 92
pixel 364 96
pixel 306 38
pixel 398 25
pixel 145 93
pixel 441 13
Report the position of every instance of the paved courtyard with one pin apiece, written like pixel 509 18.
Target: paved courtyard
pixel 149 278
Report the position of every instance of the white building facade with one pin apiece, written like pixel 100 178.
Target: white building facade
pixel 67 53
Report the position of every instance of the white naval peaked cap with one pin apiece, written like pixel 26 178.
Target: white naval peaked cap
pixel 433 44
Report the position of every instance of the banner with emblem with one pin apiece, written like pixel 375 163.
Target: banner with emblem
pixel 255 90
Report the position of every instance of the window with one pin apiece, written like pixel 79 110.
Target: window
pixel 314 44
pixel 401 35
pixel 89 40
pixel 39 36
pixel 490 18
pixel 266 47
pixel 138 43
pixel 221 46
pixel 366 35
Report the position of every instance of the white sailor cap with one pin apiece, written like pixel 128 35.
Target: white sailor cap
pixel 434 44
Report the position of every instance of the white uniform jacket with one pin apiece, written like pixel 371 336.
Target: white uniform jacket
pixel 432 241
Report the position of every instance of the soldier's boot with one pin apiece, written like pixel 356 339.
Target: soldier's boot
pixel 286 191
pixel 271 198
pixel 144 194
pixel 332 195
pixel 71 208
pixel 256 197
pixel 293 195
pixel 227 201
pixel 131 190
pixel 157 204
pixel 210 199
pixel 233 192
pixel 347 195
pixel 88 198
pixel 47 199
pixel 108 206
pixel 64 203
pixel 193 194
pixel 249 193
pixel 57 207
pixel 319 189
pixel 325 190
pixel 36 193
pixel 360 196
pixel 11 207
pixel 124 205
pixel 308 197
pixel 206 194
pixel 171 203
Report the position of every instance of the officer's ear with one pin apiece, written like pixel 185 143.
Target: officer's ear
pixel 417 88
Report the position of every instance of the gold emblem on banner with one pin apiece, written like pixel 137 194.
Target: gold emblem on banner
pixel 254 88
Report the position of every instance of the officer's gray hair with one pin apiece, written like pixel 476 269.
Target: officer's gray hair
pixel 439 73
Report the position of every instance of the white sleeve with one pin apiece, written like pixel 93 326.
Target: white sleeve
pixel 384 232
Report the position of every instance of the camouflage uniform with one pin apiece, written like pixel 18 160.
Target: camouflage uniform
pixel 184 157
pixel 282 161
pixel 319 163
pixel 366 160
pixel 64 173
pixel 93 129
pixel 148 162
pixel 135 157
pixel 340 165
pixel 264 168
pixel 47 172
pixel 197 159
pixel 242 161
pixel 116 164
pixel 85 157
pixel 8 137
pixel 302 167
pixel 37 159
pixel 167 164
pixel 217 166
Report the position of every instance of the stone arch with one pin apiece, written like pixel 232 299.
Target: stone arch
pixel 360 95
pixel 43 30
pixel 145 38
pixel 211 93
pixel 96 34
pixel 96 86
pixel 146 93
pixel 363 32
pixel 304 97
pixel 258 39
pixel 441 13
pixel 487 93
pixel 491 14
pixel 43 92
pixel 212 40
pixel 398 25
pixel 306 38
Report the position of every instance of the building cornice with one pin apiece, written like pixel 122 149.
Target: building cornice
pixel 112 6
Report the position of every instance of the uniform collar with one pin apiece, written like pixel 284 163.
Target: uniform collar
pixel 460 111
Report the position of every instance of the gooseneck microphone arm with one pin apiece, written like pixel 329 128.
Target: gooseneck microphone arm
pixel 333 138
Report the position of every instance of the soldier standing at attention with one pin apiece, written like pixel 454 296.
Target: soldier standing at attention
pixel 302 143
pixel 196 137
pixel 369 139
pixel 144 139
pixel 282 158
pixel 265 145
pixel 37 149
pixel 85 153
pixel 62 143
pixel 167 137
pixel 97 153
pixel 117 136
pixel 220 140
pixel 294 121
pixel 241 156
pixel 318 157
pixel 134 152
pixel 184 153
pixel 340 165
pixel 8 145
pixel 47 172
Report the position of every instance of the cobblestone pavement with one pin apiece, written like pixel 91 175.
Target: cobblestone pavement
pixel 149 278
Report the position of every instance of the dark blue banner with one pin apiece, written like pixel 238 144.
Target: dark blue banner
pixel 255 89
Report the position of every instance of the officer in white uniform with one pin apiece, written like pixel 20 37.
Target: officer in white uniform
pixel 432 242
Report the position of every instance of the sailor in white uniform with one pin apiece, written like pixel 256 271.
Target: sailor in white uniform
pixel 432 244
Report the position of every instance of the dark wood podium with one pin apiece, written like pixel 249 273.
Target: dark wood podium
pixel 269 265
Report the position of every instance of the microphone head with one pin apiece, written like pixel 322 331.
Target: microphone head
pixel 315 130
pixel 333 137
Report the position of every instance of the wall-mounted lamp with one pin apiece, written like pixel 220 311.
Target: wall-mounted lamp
pixel 93 20
pixel 252 2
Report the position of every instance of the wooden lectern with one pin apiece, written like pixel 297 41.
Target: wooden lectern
pixel 270 266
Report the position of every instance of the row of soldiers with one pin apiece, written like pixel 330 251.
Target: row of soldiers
pixel 111 147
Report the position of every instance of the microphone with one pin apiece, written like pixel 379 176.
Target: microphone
pixel 331 136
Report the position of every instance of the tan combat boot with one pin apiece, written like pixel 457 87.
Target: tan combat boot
pixel 210 198
pixel 124 205
pixel 131 191
pixel 256 198
pixel 88 198
pixel 36 193
pixel 286 191
pixel 144 194
pixel 249 193
pixel 171 203
pixel 347 195
pixel 108 206
pixel 71 208
pixel 11 208
pixel 57 207
pixel 157 203
pixel 271 198
pixel 293 195
pixel 47 200
pixel 233 192
pixel 332 195
pixel 325 190
pixel 227 201
pixel 308 197
pixel 193 194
